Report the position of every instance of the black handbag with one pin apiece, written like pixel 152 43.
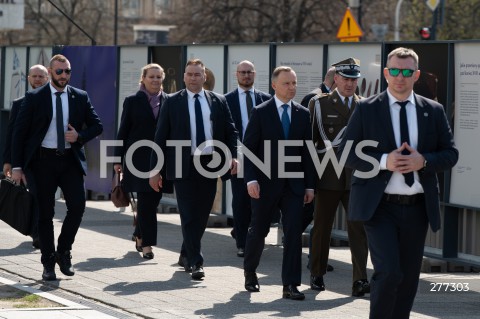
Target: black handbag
pixel 118 196
pixel 16 206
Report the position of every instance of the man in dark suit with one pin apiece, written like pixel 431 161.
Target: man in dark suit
pixel 406 141
pixel 279 121
pixel 37 76
pixel 53 124
pixel 330 114
pixel 241 101
pixel 189 121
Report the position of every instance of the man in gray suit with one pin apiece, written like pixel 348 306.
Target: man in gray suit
pixel 394 189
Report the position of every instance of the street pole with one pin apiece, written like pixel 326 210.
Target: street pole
pixel 397 20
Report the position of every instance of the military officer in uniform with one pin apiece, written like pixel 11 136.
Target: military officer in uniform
pixel 330 114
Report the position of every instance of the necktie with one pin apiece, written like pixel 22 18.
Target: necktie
pixel 347 102
pixel 199 121
pixel 404 137
pixel 249 101
pixel 59 120
pixel 285 120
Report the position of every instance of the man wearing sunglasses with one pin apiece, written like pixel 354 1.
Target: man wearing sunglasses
pixel 394 188
pixel 53 124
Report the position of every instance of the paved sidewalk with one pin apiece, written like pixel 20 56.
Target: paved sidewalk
pixel 113 281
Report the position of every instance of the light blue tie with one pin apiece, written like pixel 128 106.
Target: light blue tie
pixel 285 120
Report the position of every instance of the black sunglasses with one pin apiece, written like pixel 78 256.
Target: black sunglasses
pixel 405 72
pixel 60 71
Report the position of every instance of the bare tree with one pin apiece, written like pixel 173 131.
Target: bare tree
pixel 45 25
pixel 211 21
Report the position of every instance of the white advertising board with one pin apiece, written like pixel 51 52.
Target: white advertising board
pixel 464 188
pixel 370 64
pixel 307 62
pixel 15 74
pixel 259 55
pixel 132 60
pixel 212 57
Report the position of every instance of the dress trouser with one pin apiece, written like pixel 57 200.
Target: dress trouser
pixel 195 196
pixel 33 189
pixel 326 204
pixel 263 210
pixel 51 171
pixel 396 237
pixel 146 228
pixel 242 210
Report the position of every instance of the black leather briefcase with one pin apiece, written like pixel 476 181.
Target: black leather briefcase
pixel 16 206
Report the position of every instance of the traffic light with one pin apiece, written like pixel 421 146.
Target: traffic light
pixel 425 33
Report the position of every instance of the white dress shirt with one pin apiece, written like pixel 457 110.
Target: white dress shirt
pixel 243 106
pixel 397 184
pixel 207 123
pixel 50 139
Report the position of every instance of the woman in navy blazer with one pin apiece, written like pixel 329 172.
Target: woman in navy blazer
pixel 138 122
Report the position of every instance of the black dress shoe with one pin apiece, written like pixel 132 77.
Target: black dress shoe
pixel 360 288
pixel 197 272
pixel 36 243
pixel 183 262
pixel 241 252
pixel 251 281
pixel 148 255
pixel 49 269
pixel 316 283
pixel 64 260
pixel 329 267
pixel 137 247
pixel 291 292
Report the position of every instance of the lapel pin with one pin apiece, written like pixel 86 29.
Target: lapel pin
pixel 425 114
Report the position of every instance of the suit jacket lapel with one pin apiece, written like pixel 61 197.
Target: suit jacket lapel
pixel 236 112
pixel 49 104
pixel 274 115
pixel 354 103
pixel 258 98
pixel 72 98
pixel 183 109
pixel 210 101
pixel 422 122
pixel 386 117
pixel 294 120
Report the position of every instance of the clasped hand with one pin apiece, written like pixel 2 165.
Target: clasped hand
pixel 397 162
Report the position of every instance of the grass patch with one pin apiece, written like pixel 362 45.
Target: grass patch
pixel 11 297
